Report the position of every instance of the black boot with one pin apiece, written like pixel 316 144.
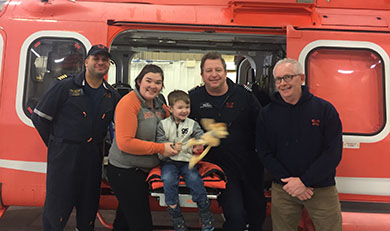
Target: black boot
pixel 206 216
pixel 177 219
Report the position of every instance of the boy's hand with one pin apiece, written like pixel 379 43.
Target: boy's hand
pixel 178 146
pixel 197 149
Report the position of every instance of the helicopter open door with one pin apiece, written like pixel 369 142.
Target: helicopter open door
pixel 249 59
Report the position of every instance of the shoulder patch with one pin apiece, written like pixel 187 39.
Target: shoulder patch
pixel 62 77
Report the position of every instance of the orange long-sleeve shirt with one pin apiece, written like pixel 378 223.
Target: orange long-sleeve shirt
pixel 136 125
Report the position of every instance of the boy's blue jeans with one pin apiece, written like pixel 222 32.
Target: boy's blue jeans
pixel 170 175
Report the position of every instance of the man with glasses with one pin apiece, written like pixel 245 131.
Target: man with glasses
pixel 72 118
pixel 299 139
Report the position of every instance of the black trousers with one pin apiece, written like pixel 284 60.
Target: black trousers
pixel 243 203
pixel 131 190
pixel 73 179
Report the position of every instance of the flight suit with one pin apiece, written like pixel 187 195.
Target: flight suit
pixel 64 119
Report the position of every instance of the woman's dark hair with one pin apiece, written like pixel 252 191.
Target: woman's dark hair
pixel 149 68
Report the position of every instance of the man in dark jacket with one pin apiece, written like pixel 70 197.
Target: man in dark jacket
pixel 299 139
pixel 72 118
pixel 243 199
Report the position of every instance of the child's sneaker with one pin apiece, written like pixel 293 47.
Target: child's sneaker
pixel 206 216
pixel 177 219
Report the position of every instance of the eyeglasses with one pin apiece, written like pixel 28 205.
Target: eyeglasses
pixel 286 78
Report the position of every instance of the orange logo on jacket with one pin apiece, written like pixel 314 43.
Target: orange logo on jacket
pixel 148 115
pixel 160 114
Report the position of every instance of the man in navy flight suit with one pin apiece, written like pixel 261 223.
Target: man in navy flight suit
pixel 72 118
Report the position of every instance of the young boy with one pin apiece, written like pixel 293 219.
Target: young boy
pixel 178 128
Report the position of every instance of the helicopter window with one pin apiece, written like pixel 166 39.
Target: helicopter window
pixel 353 81
pixel 47 59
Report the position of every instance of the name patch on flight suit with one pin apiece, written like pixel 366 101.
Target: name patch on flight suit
pixel 76 92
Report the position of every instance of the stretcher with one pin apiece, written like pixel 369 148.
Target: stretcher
pixel 213 177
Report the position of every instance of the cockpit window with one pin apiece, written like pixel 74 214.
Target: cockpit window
pixel 47 59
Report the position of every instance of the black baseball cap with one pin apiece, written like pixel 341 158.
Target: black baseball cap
pixel 99 48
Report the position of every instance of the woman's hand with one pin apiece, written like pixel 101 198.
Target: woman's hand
pixel 169 150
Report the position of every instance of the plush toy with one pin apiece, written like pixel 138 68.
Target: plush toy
pixel 215 131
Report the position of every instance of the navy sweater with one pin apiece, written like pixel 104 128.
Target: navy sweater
pixel 302 140
pixel 236 154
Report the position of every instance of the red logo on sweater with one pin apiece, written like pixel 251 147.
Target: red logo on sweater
pixel 229 104
pixel 160 114
pixel 315 122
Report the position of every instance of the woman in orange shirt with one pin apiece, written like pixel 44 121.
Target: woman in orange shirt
pixel 134 150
